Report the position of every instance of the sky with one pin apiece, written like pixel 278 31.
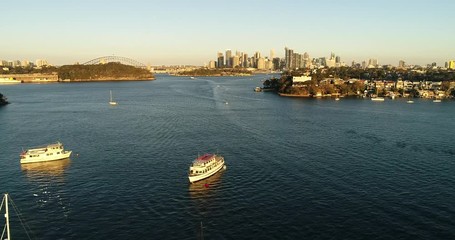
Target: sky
pixel 191 32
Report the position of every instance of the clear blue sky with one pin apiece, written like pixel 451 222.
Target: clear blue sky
pixel 193 31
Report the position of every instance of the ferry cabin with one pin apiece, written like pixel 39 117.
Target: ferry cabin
pixel 204 164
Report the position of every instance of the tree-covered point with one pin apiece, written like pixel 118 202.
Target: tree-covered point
pixel 216 72
pixel 389 74
pixel 88 72
pixel 103 71
pixel 323 81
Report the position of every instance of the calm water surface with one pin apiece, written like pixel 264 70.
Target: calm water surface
pixel 296 168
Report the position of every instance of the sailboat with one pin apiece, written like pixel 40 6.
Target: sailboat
pixel 111 101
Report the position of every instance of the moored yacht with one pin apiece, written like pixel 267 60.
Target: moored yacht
pixel 50 152
pixel 379 99
pixel 205 166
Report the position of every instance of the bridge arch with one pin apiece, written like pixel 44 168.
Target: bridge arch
pixel 118 59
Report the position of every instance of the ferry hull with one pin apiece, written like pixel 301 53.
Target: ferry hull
pixel 64 155
pixel 205 175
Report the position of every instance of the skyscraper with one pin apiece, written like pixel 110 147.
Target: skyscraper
pixel 228 58
pixel 272 54
pixel 288 53
pixel 220 60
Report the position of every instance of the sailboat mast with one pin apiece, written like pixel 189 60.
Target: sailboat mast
pixel 7 216
pixel 110 99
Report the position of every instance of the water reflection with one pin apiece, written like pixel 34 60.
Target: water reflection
pixel 40 170
pixel 48 186
pixel 206 187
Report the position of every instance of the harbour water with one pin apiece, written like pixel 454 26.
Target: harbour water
pixel 296 168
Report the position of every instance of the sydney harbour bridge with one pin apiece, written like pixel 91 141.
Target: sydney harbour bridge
pixel 117 59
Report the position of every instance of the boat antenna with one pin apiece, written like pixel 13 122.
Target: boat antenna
pixel 202 232
pixel 5 199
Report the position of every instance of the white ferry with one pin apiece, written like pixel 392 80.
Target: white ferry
pixel 379 99
pixel 49 152
pixel 205 166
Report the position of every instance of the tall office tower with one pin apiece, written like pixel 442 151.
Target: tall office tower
pixel 337 59
pixel 364 64
pixel 228 58
pixel 373 62
pixel 235 61
pixel 41 62
pixel 220 60
pixel 276 63
pixel 211 64
pixel 25 63
pixel 306 55
pixel 332 56
pixel 296 61
pixel 16 63
pixel 245 61
pixel 401 64
pixel 257 55
pixel 288 53
pixel 272 54
pixel 260 63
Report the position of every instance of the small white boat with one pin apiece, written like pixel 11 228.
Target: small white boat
pixel 379 99
pixel 258 89
pixel 337 99
pixel 409 101
pixel 111 101
pixel 437 100
pixel 205 166
pixel 50 152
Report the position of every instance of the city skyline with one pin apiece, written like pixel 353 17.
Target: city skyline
pixel 189 33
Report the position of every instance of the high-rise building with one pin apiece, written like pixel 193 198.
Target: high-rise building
pixel 245 60
pixel 235 61
pixel 276 63
pixel 211 64
pixel 288 53
pixel 373 63
pixel 41 63
pixel 401 64
pixel 260 63
pixel 220 60
pixel 257 55
pixel 25 63
pixel 306 55
pixel 272 54
pixel 228 58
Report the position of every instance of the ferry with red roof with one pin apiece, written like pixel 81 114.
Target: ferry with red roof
pixel 205 166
